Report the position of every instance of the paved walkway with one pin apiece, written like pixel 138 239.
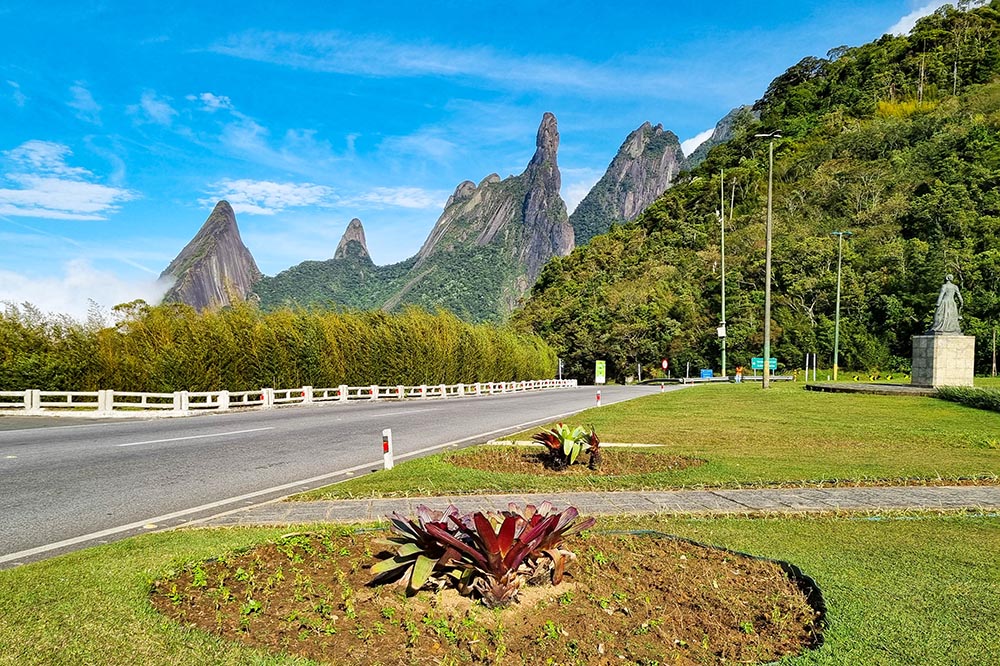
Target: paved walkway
pixel 759 501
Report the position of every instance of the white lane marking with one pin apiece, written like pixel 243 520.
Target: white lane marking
pixel 181 439
pixel 287 486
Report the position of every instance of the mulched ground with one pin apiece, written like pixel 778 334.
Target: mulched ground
pixel 629 599
pixel 531 460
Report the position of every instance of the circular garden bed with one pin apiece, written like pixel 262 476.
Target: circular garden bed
pixel 626 599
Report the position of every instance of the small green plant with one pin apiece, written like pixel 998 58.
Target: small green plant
pixel 565 444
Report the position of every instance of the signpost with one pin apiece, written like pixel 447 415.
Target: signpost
pixel 664 365
pixel 600 370
pixel 757 363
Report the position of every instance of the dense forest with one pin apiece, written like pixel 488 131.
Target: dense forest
pixel 896 141
pixel 172 347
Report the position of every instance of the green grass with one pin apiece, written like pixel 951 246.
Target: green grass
pixel 901 589
pixel 749 437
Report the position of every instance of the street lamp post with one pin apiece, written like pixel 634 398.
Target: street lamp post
pixel 836 326
pixel 766 383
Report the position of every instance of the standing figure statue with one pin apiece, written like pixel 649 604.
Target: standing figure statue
pixel 946 315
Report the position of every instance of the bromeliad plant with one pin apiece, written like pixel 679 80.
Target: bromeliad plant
pixel 565 444
pixel 420 556
pixel 490 554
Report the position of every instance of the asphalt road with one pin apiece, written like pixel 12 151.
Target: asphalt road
pixel 65 484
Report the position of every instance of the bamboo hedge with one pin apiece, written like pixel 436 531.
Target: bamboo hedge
pixel 172 347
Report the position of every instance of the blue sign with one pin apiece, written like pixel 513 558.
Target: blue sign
pixel 706 373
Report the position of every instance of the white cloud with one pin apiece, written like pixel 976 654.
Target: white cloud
pixel 402 197
pixel 46 186
pixel 424 143
pixel 19 97
pixel 905 24
pixel 153 109
pixel 374 56
pixel 71 292
pixel 212 103
pixel 87 109
pixel 264 197
pixel 688 146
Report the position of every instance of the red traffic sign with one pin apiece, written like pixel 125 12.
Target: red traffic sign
pixel 665 364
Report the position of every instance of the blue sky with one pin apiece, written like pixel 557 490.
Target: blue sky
pixel 121 123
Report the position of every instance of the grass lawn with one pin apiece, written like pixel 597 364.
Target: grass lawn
pixel 900 589
pixel 748 437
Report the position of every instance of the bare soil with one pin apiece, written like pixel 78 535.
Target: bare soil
pixel 628 599
pixel 614 462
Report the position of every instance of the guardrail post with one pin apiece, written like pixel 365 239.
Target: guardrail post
pixel 105 402
pixel 342 392
pixel 374 389
pixel 423 390
pixel 223 401
pixel 267 395
pixel 35 400
pixel 461 390
pixel 185 402
pixel 479 388
pixel 307 394
pixel 387 448
pixel 444 391
pixel 400 392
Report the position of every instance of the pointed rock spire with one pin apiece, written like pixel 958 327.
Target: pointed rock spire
pixel 352 243
pixel 215 268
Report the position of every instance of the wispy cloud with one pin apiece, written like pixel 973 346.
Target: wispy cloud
pixel 688 146
pixel 428 143
pixel 71 292
pixel 402 197
pixel 264 197
pixel 45 186
pixel 374 56
pixel 87 108
pixel 19 97
pixel 153 109
pixel 211 102
pixel 905 24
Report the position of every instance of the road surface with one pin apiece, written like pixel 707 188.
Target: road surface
pixel 69 484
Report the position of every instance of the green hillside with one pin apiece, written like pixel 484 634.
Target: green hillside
pixel 897 141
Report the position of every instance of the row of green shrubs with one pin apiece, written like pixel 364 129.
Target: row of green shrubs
pixel 173 347
pixel 980 398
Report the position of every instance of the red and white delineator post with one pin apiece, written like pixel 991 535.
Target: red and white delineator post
pixel 598 398
pixel 387 448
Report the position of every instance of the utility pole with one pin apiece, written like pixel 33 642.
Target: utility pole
pixel 836 326
pixel 994 373
pixel 766 383
pixel 722 224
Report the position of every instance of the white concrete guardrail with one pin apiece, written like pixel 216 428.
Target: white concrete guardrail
pixel 107 403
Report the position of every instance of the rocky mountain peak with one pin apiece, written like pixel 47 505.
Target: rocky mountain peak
pixel 215 268
pixel 352 243
pixel 546 142
pixel 644 167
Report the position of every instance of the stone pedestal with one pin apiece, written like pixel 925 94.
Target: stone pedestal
pixel 943 360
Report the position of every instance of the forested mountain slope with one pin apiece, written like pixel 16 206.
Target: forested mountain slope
pixel 897 141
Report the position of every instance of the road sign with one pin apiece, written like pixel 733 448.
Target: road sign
pixel 757 363
pixel 664 364
pixel 706 373
pixel 600 369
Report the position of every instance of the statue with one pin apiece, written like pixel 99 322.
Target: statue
pixel 946 315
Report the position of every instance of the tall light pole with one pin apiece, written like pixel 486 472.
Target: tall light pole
pixel 767 259
pixel 722 250
pixel 836 326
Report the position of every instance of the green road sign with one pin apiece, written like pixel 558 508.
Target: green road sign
pixel 757 363
pixel 599 372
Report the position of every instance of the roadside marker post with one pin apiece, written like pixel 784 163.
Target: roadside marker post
pixel 598 398
pixel 387 448
pixel 662 388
